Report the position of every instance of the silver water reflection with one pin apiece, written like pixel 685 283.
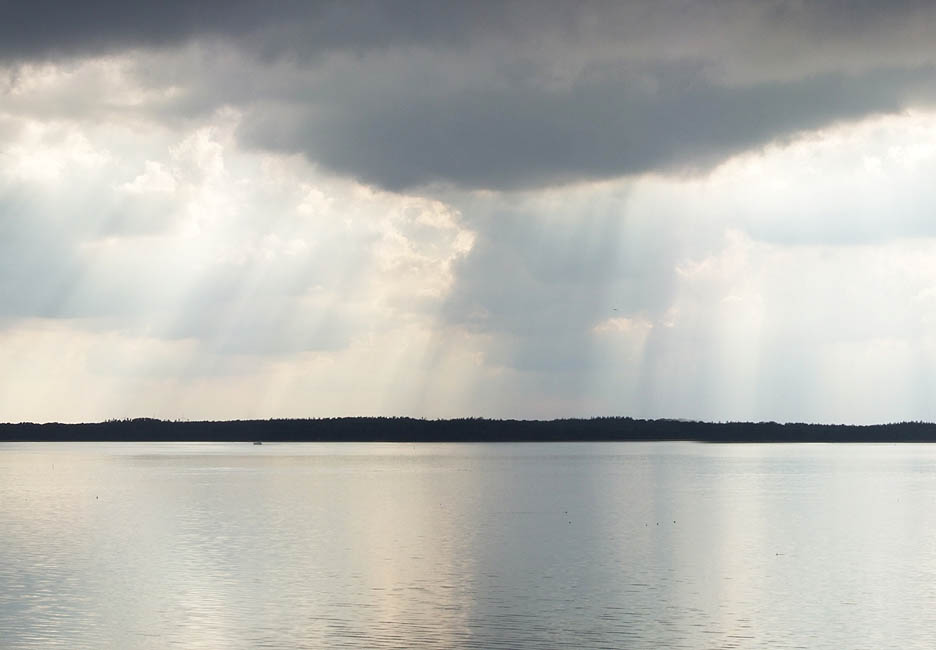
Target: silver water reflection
pixel 467 546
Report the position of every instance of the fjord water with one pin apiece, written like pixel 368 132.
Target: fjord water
pixel 620 545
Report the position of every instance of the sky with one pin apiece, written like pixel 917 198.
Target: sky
pixel 710 210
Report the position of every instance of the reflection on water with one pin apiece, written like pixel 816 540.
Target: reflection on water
pixel 619 545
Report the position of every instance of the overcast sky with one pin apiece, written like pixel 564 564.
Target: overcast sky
pixel 245 209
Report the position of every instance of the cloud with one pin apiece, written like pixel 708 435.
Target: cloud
pixel 858 184
pixel 191 239
pixel 611 123
pixel 50 29
pixel 498 95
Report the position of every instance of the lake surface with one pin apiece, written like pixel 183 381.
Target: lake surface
pixel 591 545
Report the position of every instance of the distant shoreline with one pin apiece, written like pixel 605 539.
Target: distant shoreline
pixel 364 429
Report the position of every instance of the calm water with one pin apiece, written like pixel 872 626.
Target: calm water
pixel 467 546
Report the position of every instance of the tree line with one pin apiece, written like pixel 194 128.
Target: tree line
pixel 402 429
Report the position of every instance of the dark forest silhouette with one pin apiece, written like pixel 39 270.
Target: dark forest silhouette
pixel 465 430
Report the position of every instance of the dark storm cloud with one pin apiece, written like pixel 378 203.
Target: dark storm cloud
pixel 44 28
pixel 503 95
pixel 510 136
pixel 51 28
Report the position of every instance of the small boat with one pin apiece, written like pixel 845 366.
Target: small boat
pixel 257 442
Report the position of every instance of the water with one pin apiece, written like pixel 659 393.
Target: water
pixel 620 545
